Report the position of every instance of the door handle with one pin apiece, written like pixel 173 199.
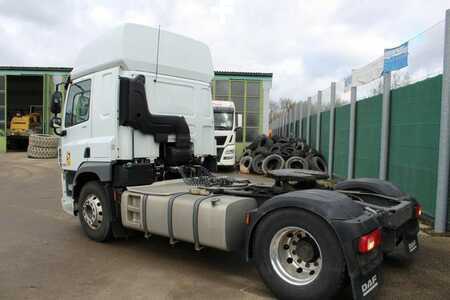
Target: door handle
pixel 87 152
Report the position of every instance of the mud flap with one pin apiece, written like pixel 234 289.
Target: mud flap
pixel 366 286
pixel 410 244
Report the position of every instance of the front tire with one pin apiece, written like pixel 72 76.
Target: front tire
pixel 298 255
pixel 94 211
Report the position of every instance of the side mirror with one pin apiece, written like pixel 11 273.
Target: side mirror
pixel 56 102
pixel 239 121
pixel 55 122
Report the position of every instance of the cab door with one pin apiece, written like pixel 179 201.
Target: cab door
pixel 75 147
pixel 3 117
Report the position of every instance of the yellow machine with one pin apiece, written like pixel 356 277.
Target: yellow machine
pixel 22 125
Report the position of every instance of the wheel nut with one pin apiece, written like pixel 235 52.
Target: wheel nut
pixel 286 246
pixel 289 260
pixel 299 270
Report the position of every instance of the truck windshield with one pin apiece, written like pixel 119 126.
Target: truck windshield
pixel 223 120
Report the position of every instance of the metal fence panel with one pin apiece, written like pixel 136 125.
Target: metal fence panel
pixel 368 132
pixel 342 129
pixel 313 131
pixel 325 133
pixel 414 139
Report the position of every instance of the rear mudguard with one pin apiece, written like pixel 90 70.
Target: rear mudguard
pixel 347 219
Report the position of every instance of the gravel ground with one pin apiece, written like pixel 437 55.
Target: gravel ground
pixel 44 255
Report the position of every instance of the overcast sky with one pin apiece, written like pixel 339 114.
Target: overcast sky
pixel 305 44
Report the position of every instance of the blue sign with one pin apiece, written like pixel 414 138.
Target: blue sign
pixel 395 58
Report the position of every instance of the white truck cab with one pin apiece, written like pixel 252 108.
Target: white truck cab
pixel 226 123
pixel 138 102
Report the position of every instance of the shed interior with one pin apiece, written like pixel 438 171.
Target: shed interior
pixel 24 97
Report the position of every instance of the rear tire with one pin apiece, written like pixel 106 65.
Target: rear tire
pixel 94 211
pixel 307 265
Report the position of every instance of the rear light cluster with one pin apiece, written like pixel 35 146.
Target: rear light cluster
pixel 418 210
pixel 369 241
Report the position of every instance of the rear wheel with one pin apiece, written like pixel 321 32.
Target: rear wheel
pixel 298 255
pixel 94 211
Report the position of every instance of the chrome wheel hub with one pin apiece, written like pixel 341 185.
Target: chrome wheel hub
pixel 92 212
pixel 295 255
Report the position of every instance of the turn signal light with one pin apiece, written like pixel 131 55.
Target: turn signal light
pixel 369 241
pixel 418 210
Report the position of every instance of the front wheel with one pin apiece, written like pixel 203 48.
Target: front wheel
pixel 94 211
pixel 298 255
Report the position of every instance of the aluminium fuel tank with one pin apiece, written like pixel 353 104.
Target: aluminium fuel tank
pixel 169 209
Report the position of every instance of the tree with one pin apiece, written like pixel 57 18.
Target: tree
pixel 286 103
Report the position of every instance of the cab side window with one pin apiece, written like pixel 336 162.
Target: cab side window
pixel 77 106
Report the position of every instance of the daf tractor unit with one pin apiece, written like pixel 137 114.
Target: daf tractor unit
pixel 136 152
pixel 226 124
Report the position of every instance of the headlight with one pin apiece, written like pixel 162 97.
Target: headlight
pixel 229 151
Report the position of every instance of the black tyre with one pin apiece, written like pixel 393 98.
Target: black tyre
pixel 94 211
pixel 260 150
pixel 41 153
pixel 257 164
pixel 297 162
pixel 298 255
pixel 245 164
pixel 317 163
pixel 43 140
pixel 272 162
pixel 247 152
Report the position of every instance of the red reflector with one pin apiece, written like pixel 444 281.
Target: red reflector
pixel 247 219
pixel 369 241
pixel 418 210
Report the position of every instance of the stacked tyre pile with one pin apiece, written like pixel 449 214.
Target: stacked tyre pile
pixel 266 154
pixel 42 146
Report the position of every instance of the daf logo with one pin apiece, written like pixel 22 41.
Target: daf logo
pixel 412 246
pixel 369 285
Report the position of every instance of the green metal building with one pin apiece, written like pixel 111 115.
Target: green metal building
pixel 250 93
pixel 25 88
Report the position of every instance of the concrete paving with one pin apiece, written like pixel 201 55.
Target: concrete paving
pixel 44 255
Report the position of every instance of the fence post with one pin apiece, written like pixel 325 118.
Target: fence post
pixel 308 120
pixel 300 127
pixel 288 121
pixel 319 110
pixel 386 112
pixel 297 106
pixel 351 137
pixel 331 137
pixel 440 222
